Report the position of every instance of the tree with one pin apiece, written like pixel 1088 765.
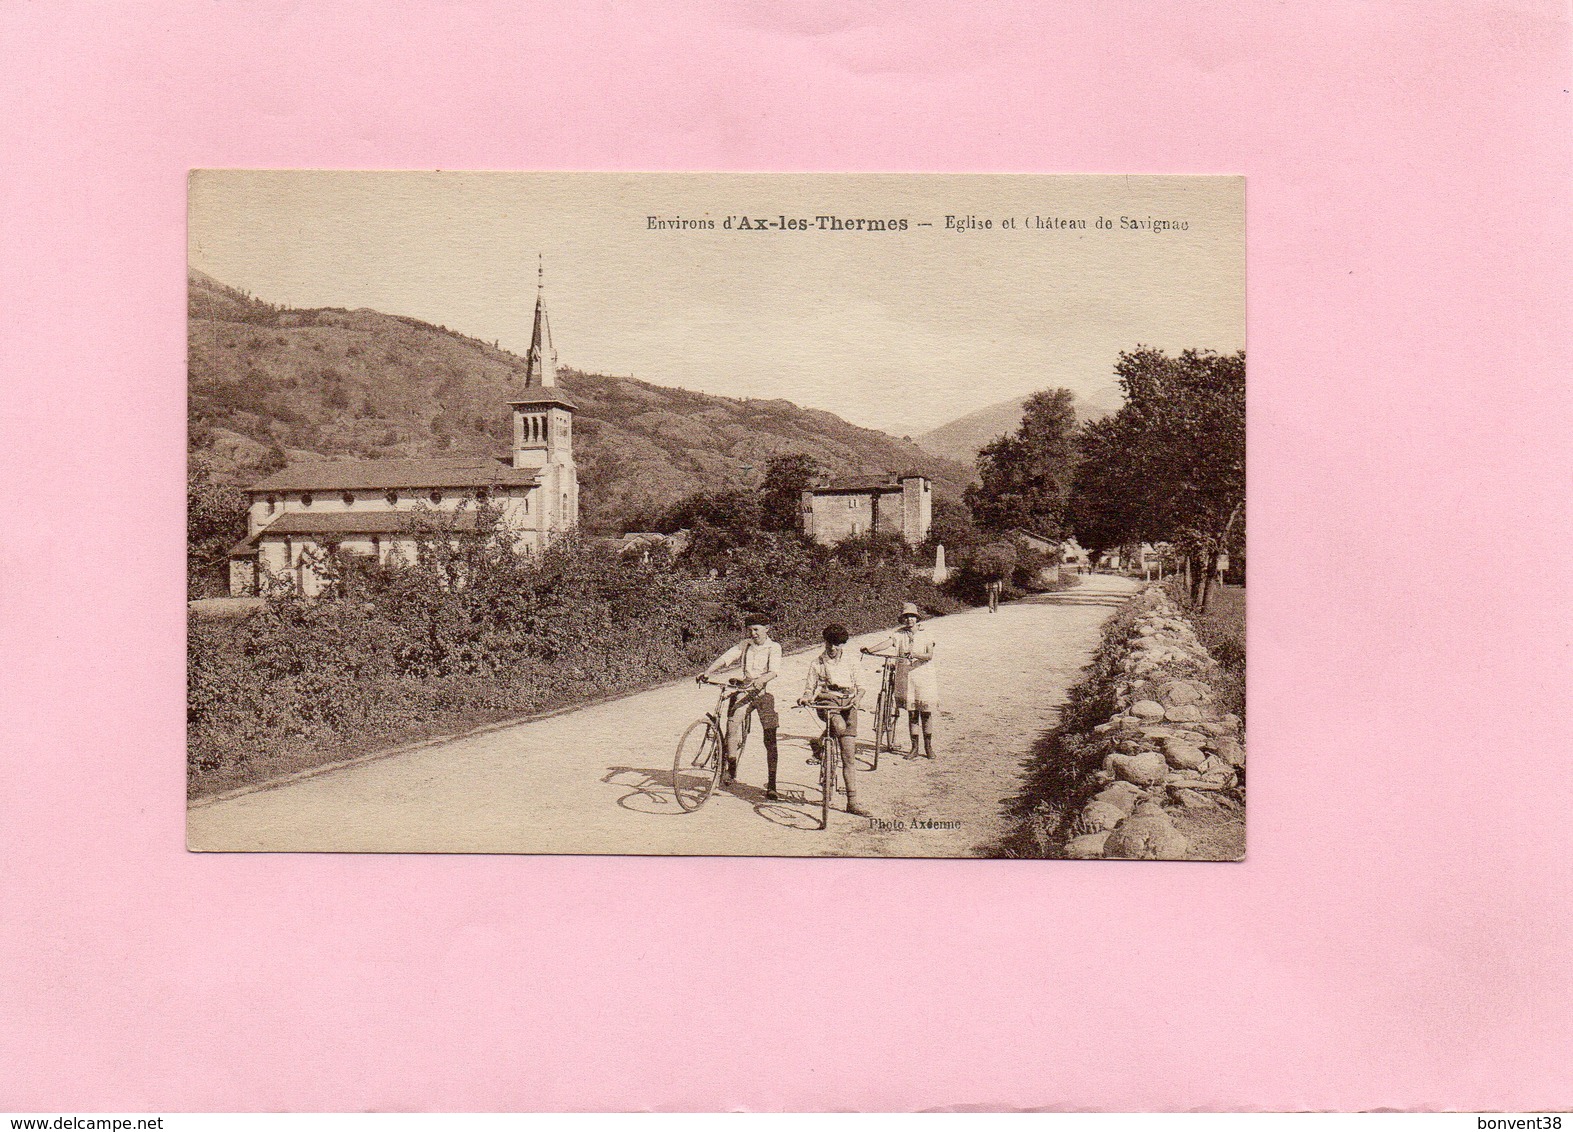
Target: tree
pixel 951 527
pixel 1170 465
pixel 780 495
pixel 1027 477
pixel 215 520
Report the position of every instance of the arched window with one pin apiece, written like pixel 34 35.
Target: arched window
pixel 273 503
pixel 305 499
pixel 393 498
pixel 435 496
pixel 482 495
pixel 349 498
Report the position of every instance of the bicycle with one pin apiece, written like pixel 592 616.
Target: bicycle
pixel 696 768
pixel 828 752
pixel 887 708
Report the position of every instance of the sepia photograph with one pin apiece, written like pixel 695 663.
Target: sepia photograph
pixel 850 515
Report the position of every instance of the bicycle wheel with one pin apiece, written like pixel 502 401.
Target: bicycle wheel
pixel 829 756
pixel 696 768
pixel 885 716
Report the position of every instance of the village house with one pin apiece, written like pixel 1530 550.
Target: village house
pixel 898 505
pixel 378 508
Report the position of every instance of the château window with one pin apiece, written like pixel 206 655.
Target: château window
pixel 482 495
pixel 305 499
pixel 349 498
pixel 273 504
pixel 435 496
pixel 392 497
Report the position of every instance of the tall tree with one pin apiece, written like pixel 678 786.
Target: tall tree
pixel 1027 477
pixel 781 493
pixel 1170 465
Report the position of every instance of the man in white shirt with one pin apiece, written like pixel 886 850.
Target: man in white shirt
pixel 759 659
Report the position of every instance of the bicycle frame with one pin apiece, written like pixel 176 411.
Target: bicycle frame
pixel 700 757
pixel 829 756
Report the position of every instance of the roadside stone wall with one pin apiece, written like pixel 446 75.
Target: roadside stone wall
pixel 1166 748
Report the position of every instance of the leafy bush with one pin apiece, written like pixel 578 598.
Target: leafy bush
pixel 471 631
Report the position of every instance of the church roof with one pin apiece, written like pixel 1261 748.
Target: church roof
pixel 366 522
pixel 543 395
pixel 373 475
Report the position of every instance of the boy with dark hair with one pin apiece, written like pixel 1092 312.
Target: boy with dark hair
pixel 835 684
pixel 759 659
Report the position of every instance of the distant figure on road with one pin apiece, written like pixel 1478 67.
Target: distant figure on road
pixel 994 596
pixel 759 657
pixel 917 684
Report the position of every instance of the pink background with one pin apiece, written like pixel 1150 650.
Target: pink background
pixel 1400 934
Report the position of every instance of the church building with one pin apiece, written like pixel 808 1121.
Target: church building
pixel 378 508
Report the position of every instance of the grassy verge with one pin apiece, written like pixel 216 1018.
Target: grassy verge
pixel 1222 629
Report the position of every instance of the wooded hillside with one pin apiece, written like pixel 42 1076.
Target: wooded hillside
pixel 271 384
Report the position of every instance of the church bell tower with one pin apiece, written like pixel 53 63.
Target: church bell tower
pixel 543 426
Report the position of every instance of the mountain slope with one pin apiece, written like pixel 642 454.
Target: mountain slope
pixel 269 384
pixel 961 439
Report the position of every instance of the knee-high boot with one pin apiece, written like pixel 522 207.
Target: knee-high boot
pixel 772 756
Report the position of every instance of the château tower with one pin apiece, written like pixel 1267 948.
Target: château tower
pixel 543 425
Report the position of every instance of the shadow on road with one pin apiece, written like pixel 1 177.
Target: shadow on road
pixel 650 789
pixel 1076 597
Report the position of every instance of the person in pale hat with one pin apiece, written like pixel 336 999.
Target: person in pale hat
pixel 917 683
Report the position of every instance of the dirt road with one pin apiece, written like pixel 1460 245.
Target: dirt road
pixel 596 780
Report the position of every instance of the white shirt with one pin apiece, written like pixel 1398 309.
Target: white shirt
pixel 829 673
pixel 757 660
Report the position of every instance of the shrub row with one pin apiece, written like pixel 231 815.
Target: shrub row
pixel 472 633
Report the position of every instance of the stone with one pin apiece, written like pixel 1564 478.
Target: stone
pixel 1182 755
pixel 1213 727
pixel 1184 692
pixel 1147 710
pixel 1158 731
pixel 1185 713
pixel 1193 800
pixel 1123 800
pixel 1147 836
pixel 1143 770
pixel 1086 847
pixel 1185 777
pixel 1097 816
pixel 1229 750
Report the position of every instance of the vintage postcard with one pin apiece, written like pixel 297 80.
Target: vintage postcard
pixel 717 514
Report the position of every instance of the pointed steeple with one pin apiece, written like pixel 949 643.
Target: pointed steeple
pixel 541 364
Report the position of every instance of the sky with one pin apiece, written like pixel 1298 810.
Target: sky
pixel 901 330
